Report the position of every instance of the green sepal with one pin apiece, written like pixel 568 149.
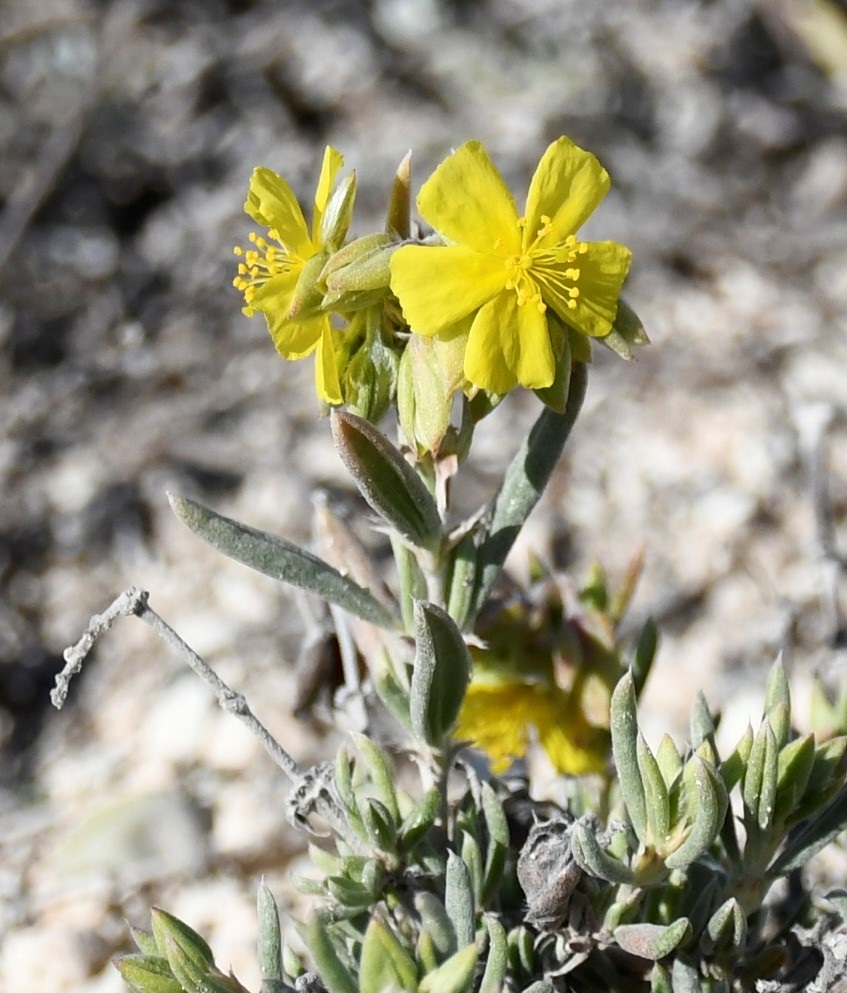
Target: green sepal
pixel 440 674
pixel 398 222
pixel 335 220
pixel 555 396
pixel 280 559
pixel 497 960
pixel 357 277
pixel 335 975
pixel 591 858
pixel 652 941
pixel 424 397
pixel 308 296
pixel 270 937
pixel 459 899
pixel 624 730
pixel 385 479
pixel 524 482
pixel 453 976
pixel 705 788
pixel 627 332
pixel 385 964
pixel 147 974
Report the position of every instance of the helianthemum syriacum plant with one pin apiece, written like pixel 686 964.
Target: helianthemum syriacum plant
pixel 446 873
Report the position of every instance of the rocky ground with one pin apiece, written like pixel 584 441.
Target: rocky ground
pixel 129 131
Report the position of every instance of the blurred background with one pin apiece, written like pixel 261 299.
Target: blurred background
pixel 128 131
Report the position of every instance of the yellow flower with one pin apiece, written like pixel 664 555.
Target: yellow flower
pixel 278 276
pixel 502 271
pixel 500 718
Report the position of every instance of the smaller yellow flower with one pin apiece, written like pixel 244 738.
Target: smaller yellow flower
pixel 278 274
pixel 502 272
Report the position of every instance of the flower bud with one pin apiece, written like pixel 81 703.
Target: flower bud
pixel 357 276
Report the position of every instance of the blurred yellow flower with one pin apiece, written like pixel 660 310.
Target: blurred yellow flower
pixel 501 272
pixel 502 718
pixel 278 275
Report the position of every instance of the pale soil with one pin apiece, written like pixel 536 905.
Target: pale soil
pixel 129 131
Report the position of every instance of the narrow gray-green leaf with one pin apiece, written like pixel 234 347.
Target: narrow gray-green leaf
pixel 147 974
pixel 655 793
pixel 523 484
pixel 498 842
pixel 384 964
pixel 270 936
pixel 280 559
pixel 440 675
pixel 811 836
pixel 386 480
pixel 497 961
pixel 436 922
pixel 712 802
pixel 778 702
pixel 459 899
pixel 652 941
pixel 624 728
pixel 592 859
pixel 453 976
pixel 335 975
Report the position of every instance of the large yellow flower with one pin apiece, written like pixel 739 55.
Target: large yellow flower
pixel 277 276
pixel 502 272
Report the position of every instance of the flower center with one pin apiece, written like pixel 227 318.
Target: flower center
pixel 259 265
pixel 537 269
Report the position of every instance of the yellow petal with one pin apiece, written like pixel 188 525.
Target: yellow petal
pixel 509 344
pixel 332 163
pixel 271 203
pixel 296 339
pixel 567 186
pixel 603 269
pixel 274 297
pixel 535 364
pixel 437 286
pixel 326 368
pixel 486 363
pixel 496 718
pixel 468 202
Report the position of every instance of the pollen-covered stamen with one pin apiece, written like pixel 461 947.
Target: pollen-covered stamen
pixel 260 264
pixel 554 270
